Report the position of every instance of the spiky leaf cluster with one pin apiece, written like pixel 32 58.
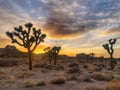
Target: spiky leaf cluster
pixel 109 47
pixel 56 49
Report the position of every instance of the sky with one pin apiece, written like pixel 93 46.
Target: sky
pixel 78 26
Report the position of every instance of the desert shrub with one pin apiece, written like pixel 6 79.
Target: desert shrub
pixel 73 64
pixel 109 77
pixel 87 79
pixel 85 66
pixel 49 67
pixel 98 69
pixel 25 74
pixel 115 80
pixel 117 77
pixel 59 80
pixel 11 79
pixel 102 77
pixel 37 65
pixel 44 70
pixel 3 75
pixel 32 83
pixel 41 83
pixel 44 65
pixel 72 77
pixel 8 63
pixel 73 70
pixel 59 67
pixel 101 65
pixel 29 83
pixel 94 88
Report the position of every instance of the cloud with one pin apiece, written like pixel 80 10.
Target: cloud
pixel 11 15
pixel 61 20
pixel 66 18
pixel 114 30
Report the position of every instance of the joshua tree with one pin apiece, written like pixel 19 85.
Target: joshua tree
pixel 48 53
pixel 29 39
pixel 52 53
pixel 110 50
pixel 55 52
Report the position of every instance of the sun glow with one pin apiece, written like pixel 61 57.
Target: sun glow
pixel 37 51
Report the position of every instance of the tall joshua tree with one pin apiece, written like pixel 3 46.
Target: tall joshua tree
pixel 28 39
pixel 110 50
pixel 55 52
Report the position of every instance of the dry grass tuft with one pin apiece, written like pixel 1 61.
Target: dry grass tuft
pixel 29 83
pixel 25 74
pixel 58 67
pixel 108 86
pixel 87 79
pixel 11 79
pixel 102 77
pixel 41 83
pixel 95 88
pixel 113 86
pixel 72 78
pixel 73 70
pixel 73 64
pixel 33 83
pixel 59 80
pixel 3 75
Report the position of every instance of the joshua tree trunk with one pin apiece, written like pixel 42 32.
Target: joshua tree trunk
pixel 30 59
pixel 111 57
pixel 111 61
pixel 50 60
pixel 55 60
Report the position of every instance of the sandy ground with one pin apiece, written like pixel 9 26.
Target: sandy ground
pixel 15 77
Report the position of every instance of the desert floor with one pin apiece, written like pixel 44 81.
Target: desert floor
pixel 66 75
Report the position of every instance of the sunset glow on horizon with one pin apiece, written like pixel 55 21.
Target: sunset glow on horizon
pixel 78 26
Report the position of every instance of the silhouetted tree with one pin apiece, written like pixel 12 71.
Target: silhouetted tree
pixel 55 52
pixel 110 50
pixel 52 53
pixel 29 39
pixel 48 53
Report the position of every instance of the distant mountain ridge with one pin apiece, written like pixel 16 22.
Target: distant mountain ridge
pixel 11 51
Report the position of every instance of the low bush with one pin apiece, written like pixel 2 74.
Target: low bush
pixel 102 77
pixel 58 80
pixel 73 70
pixel 41 83
pixel 95 88
pixel 8 63
pixel 113 86
pixel 72 77
pixel 73 64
